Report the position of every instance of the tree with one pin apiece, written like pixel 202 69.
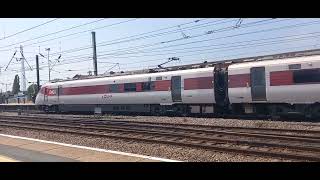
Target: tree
pixel 32 91
pixel 16 85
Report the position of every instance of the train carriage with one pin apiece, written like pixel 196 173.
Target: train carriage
pixel 269 87
pixel 180 91
pixel 276 86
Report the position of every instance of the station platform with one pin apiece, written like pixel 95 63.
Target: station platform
pixel 22 149
pixel 6 159
pixel 23 107
pixel 18 104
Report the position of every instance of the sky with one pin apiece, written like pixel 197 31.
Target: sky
pixel 139 43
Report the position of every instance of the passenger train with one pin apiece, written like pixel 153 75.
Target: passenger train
pixel 270 87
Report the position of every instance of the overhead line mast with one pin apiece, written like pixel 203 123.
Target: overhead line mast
pixel 22 59
pixel 23 71
pixel 95 64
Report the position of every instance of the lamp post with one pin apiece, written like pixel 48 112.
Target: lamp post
pixel 49 62
pixel 6 94
pixel 6 84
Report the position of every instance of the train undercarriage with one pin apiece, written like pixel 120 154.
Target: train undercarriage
pixel 273 111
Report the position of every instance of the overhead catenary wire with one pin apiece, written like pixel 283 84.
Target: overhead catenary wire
pixel 130 40
pixel 158 50
pixel 235 35
pixel 229 36
pixel 28 29
pixel 102 55
pixel 74 33
pixel 221 49
pixel 221 58
pixel 197 26
pixel 155 35
pixel 42 36
pixel 159 43
pixel 161 29
pixel 210 50
pixel 213 45
pixel 296 25
pixel 233 56
pixel 170 27
pixel 169 41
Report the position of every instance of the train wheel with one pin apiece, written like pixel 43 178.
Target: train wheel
pixel 315 112
pixel 181 111
pixel 184 114
pixel 56 109
pixel 46 109
pixel 156 111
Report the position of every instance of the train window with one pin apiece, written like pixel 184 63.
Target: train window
pixel 147 86
pixel 130 87
pixel 306 76
pixel 114 88
pixel 159 78
pixel 295 66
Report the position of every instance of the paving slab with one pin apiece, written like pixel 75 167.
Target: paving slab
pixel 14 148
pixel 14 142
pixel 108 157
pixel 24 155
pixel 69 152
pixel 6 159
pixel 37 146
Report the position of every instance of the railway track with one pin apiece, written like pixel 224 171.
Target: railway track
pixel 96 121
pixel 269 142
pixel 242 117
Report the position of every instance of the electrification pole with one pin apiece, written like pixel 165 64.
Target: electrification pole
pixel 23 71
pixel 50 66
pixel 48 49
pixel 95 66
pixel 6 86
pixel 38 74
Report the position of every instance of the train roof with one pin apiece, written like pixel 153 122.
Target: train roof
pixel 238 62
pixel 296 60
pixel 134 76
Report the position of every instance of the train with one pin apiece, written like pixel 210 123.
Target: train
pixel 270 87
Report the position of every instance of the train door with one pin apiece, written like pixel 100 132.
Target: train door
pixel 176 88
pixel 59 90
pixel 45 94
pixel 258 84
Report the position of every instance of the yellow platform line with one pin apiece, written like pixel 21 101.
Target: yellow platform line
pixel 6 159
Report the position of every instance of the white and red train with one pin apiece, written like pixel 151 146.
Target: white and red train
pixel 281 86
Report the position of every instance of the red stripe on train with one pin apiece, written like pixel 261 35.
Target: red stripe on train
pixel 164 85
pixel 198 83
pixel 138 87
pixel 102 89
pixel 98 89
pixel 279 78
pixel 239 80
